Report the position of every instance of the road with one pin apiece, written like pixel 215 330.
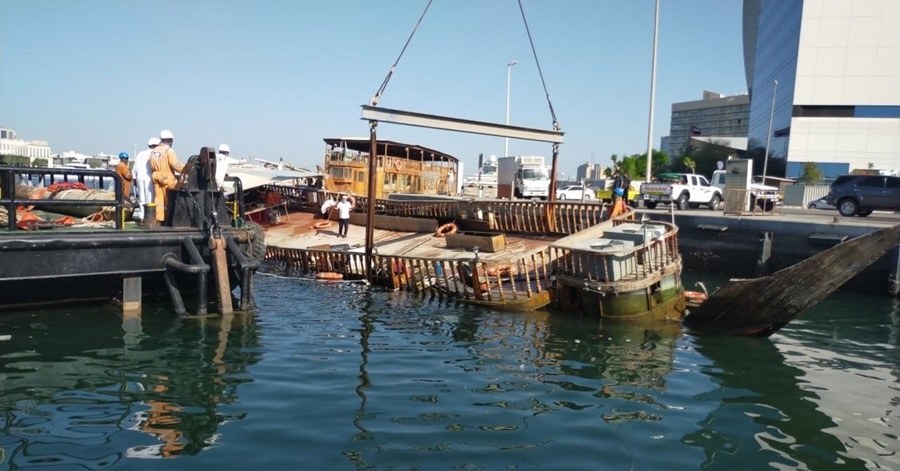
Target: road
pixel 800 214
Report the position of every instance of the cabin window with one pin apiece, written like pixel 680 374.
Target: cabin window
pixel 339 172
pixel 360 177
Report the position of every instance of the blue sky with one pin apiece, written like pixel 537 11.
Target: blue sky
pixel 273 78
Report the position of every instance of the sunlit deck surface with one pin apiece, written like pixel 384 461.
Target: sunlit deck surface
pixel 296 232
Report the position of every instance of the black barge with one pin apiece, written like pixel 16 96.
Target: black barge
pixel 204 253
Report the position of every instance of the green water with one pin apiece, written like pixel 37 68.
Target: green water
pixel 343 377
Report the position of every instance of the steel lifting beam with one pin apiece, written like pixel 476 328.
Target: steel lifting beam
pixel 409 118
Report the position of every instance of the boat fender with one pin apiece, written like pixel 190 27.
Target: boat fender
pixel 446 229
pixel 695 297
pixel 329 275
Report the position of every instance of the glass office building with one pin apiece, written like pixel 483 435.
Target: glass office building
pixel 837 102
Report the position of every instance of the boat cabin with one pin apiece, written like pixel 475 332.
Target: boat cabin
pixel 402 168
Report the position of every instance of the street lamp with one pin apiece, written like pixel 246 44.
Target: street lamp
pixel 769 135
pixel 508 73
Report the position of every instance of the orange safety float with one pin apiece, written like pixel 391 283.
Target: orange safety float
pixel 322 224
pixel 329 275
pixel 397 164
pixel 446 229
pixel 499 270
pixel 694 297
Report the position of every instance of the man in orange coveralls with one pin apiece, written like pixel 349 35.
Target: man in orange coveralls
pixel 125 173
pixel 163 160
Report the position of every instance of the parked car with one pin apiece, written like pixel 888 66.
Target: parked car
pixel 819 204
pixel 861 194
pixel 574 192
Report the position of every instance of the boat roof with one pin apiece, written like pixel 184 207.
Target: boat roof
pixel 391 149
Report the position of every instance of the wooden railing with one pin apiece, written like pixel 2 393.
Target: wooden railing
pixel 523 217
pixel 656 256
pixel 521 277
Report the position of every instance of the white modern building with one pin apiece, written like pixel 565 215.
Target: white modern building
pixel 10 144
pixel 837 98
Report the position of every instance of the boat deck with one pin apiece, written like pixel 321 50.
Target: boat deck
pixel 297 232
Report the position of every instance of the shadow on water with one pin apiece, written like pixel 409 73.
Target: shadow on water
pixel 84 387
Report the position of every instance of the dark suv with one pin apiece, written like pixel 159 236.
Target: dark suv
pixel 861 194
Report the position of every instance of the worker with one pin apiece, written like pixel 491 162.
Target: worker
pixel 344 207
pixel 125 174
pixel 222 159
pixel 163 160
pixel 142 181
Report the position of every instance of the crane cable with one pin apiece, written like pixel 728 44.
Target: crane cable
pixel 556 125
pixel 374 101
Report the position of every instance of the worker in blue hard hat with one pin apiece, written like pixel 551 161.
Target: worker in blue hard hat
pixel 125 173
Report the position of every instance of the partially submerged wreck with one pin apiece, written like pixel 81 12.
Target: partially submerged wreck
pixel 761 306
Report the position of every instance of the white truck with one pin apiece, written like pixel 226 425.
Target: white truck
pixel 682 189
pixel 523 176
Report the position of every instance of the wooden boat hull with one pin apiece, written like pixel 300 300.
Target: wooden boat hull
pixel 643 305
pixel 762 306
pixel 523 304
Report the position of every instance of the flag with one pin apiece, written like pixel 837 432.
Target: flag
pixel 782 132
pixel 695 131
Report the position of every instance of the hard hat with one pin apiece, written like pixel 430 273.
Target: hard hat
pixel 153 141
pixel 123 155
pixel 224 148
pixel 166 134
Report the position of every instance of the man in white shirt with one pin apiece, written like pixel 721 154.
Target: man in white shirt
pixel 344 207
pixel 143 186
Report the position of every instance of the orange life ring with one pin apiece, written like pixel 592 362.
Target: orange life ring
pixel 446 229
pixel 329 275
pixel 397 164
pixel 499 270
pixel 322 224
pixel 694 297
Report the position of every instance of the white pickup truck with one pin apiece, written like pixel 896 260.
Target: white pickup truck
pixel 683 189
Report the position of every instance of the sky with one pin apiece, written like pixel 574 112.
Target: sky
pixel 274 78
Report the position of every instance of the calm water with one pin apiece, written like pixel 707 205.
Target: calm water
pixel 341 377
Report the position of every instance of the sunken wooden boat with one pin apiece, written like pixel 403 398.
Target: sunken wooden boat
pixel 761 306
pixel 621 270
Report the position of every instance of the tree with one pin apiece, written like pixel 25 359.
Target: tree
pixel 690 164
pixel 811 174
pixel 39 162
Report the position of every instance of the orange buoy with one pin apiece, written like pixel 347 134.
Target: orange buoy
pixel 694 297
pixel 499 270
pixel 329 275
pixel 446 229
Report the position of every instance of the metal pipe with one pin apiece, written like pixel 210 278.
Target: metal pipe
pixel 370 209
pixel 508 73
pixel 202 276
pixel 172 287
pixel 247 268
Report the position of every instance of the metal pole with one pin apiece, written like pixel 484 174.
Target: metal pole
pixel 370 208
pixel 769 135
pixel 508 73
pixel 652 95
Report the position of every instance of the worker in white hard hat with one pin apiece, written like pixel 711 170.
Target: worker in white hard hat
pixel 143 183
pixel 163 160
pixel 222 158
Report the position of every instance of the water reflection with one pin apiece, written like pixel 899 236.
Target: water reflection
pixel 766 411
pixel 87 383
